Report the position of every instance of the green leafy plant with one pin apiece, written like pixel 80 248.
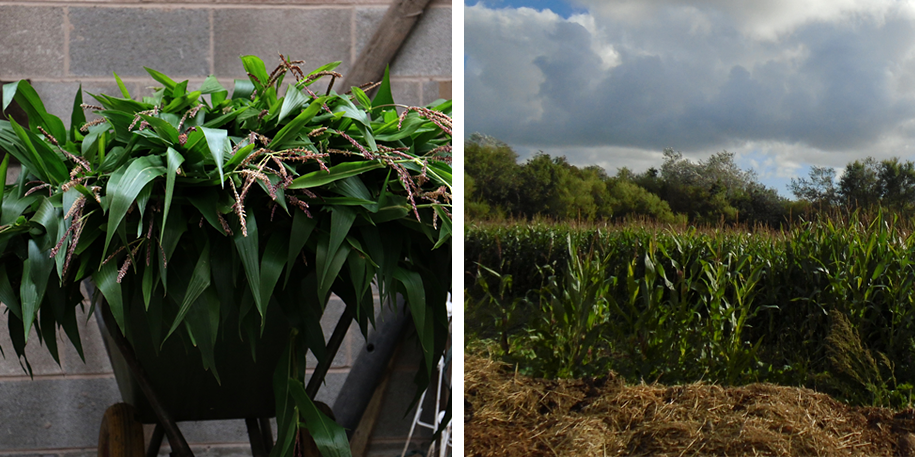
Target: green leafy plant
pixel 200 209
pixel 574 309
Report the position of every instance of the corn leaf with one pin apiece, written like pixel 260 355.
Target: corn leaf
pixel 77 116
pixel 105 278
pixel 271 266
pixel 199 281
pixel 35 275
pixel 290 130
pixel 164 80
pixel 248 250
pixel 416 298
pixel 330 437
pixel 218 143
pixel 336 172
pixel 28 99
pixel 302 226
pixel 175 159
pixel 141 171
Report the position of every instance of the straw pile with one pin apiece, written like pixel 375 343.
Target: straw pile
pixel 511 415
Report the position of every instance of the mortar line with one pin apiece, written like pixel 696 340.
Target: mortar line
pixel 46 451
pixel 212 41
pixel 192 79
pixel 56 377
pixel 175 6
pixel 66 41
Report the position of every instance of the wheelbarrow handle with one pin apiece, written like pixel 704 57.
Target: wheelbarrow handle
pixel 176 440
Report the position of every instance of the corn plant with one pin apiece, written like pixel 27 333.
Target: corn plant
pixel 204 212
pixel 573 309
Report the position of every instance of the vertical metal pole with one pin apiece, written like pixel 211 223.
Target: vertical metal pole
pixel 267 432
pixel 332 346
pixel 176 440
pixel 256 438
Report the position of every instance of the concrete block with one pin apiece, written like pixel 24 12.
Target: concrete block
pixel 30 454
pixel 97 361
pixel 91 452
pixel 333 311
pixel 124 40
pixel 410 356
pixel 317 36
pixel 427 50
pixel 435 90
pixel 37 354
pixel 331 389
pixel 306 2
pixel 214 450
pixel 406 92
pixel 222 431
pixel 33 41
pixel 58 96
pixel 54 413
pixel 395 419
pixel 378 448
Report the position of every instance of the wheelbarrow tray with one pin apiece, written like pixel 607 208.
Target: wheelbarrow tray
pixel 188 391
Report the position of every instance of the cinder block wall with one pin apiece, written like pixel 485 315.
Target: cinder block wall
pixel 59 46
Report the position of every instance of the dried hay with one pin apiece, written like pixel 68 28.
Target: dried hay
pixel 511 415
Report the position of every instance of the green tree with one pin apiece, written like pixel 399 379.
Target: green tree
pixel 860 183
pixel 493 167
pixel 819 189
pixel 474 208
pixel 714 190
pixel 897 184
pixel 628 199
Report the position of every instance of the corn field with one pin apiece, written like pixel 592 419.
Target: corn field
pixel 826 304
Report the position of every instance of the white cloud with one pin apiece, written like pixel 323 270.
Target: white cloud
pixel 760 19
pixel 818 83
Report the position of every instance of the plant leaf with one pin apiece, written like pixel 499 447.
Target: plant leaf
pixel 200 280
pixel 164 80
pixel 285 406
pixel 328 435
pixel 248 250
pixel 271 266
pixel 416 297
pixel 302 226
pixel 293 100
pixel 290 130
pixel 36 271
pixel 217 141
pixel 28 99
pixel 175 159
pixel 339 171
pixel 121 85
pixel 384 96
pixel 77 116
pixel 141 171
pixel 105 279
pixel 255 66
pixel 362 98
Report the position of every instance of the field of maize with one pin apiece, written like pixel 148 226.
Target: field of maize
pixel 827 304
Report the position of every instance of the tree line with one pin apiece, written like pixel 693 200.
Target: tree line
pixel 711 191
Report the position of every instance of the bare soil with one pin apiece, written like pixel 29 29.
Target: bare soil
pixel 511 415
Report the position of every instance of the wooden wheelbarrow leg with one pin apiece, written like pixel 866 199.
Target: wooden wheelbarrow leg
pixel 259 439
pixel 176 440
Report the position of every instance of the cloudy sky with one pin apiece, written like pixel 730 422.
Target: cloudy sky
pixel 782 83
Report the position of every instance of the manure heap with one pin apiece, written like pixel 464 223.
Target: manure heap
pixel 506 414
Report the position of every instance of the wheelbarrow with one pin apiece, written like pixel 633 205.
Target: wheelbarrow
pixel 170 385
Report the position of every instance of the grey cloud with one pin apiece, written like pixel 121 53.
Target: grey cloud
pixel 706 90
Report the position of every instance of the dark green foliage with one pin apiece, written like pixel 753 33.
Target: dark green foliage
pixel 827 304
pixel 205 210
pixel 715 190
